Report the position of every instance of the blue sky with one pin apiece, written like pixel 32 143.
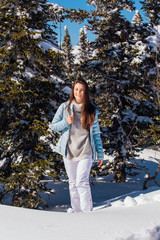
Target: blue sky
pixel 74 28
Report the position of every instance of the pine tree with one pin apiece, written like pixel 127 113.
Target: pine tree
pixel 82 54
pixel 83 46
pixel 152 10
pixel 68 56
pixel 124 91
pixel 30 70
pixel 137 19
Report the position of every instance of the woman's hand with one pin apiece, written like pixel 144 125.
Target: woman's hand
pixel 70 119
pixel 100 162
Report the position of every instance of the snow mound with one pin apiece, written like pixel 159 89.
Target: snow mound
pixel 121 212
pixel 141 199
pixel 149 234
pixel 134 218
pixel 129 202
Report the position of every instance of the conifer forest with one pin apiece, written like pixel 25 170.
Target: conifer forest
pixel 121 67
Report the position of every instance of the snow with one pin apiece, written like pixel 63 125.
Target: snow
pixel 67 90
pixel 56 7
pixel 36 33
pixel 113 11
pixel 153 42
pixel 122 211
pixel 46 45
pixel 19 159
pixel 83 29
pixel 29 73
pixel 145 119
pixel 56 79
pixel 2 162
pixel 14 79
pixel 23 122
pixel 76 54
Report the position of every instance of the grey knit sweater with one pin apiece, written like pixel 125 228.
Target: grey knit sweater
pixel 79 145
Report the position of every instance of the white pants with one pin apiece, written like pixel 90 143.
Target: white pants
pixel 79 187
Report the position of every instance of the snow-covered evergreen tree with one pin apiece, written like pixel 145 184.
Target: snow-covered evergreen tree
pixel 137 19
pixel 152 10
pixel 68 60
pixel 83 46
pixel 125 93
pixel 82 53
pixel 30 70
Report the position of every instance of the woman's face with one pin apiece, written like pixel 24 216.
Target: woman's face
pixel 79 91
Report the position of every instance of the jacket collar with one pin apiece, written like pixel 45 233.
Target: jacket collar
pixel 71 108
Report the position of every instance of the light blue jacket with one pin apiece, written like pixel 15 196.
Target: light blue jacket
pixel 59 124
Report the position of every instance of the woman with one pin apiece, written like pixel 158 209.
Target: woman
pixel 80 142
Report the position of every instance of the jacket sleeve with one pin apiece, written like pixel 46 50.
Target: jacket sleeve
pixel 59 122
pixel 97 139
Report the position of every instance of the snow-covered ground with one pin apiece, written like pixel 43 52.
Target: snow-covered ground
pixel 122 211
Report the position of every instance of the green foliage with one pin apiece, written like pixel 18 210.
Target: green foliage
pixel 152 10
pixel 68 59
pixel 122 80
pixel 25 118
pixel 155 130
pixel 78 16
pixel 84 47
pixel 28 86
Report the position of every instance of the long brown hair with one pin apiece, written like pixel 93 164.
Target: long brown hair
pixel 88 110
